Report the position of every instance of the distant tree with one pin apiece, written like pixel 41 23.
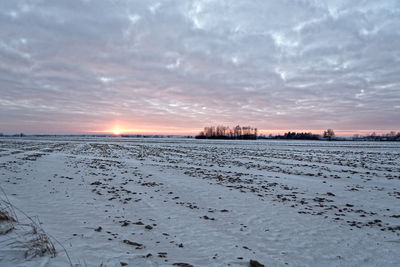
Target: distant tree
pixel 237 132
pixel 329 134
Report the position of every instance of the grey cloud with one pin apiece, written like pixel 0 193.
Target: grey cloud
pixel 183 64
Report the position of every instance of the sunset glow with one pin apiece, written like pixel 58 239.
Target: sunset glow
pixel 117 131
pixel 182 66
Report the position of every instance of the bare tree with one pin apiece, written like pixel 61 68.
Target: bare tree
pixel 329 134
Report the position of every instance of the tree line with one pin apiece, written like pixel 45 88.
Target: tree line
pixel 223 132
pixel 296 136
pixel 391 136
pixel 250 133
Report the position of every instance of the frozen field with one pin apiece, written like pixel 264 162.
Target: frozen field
pixel 152 202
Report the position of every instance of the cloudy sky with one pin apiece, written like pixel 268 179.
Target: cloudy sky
pixel 175 66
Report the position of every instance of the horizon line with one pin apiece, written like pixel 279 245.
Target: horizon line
pixel 266 132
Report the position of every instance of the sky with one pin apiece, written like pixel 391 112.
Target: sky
pixel 175 66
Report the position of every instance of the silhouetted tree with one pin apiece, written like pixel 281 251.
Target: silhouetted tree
pixel 329 134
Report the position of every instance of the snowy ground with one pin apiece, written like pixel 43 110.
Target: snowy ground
pixel 156 202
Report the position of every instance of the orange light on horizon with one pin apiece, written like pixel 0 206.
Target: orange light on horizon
pixel 116 131
pixel 118 128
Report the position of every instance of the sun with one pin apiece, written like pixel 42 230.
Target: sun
pixel 116 131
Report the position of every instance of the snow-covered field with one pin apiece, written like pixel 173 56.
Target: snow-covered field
pixel 158 202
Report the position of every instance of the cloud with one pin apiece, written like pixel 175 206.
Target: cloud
pixel 296 64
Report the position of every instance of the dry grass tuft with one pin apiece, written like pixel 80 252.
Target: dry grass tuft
pixel 7 211
pixel 5 215
pixel 35 241
pixel 8 218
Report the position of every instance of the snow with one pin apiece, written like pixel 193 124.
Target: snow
pixel 209 203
